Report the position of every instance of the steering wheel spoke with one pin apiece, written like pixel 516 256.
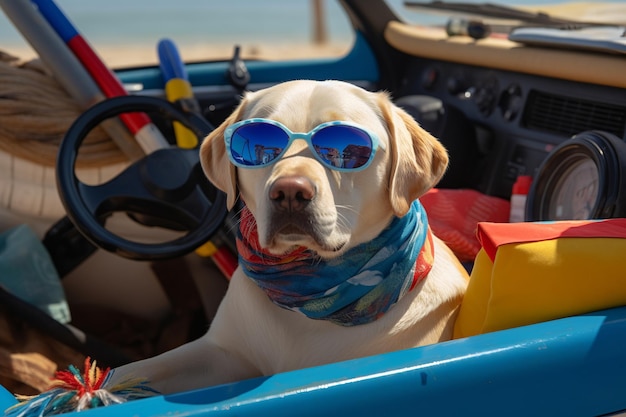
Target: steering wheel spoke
pixel 103 199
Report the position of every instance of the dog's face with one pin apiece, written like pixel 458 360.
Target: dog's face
pixel 297 201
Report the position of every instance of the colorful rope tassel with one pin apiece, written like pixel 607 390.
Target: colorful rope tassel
pixel 73 391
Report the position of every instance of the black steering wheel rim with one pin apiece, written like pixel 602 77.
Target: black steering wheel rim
pixel 87 223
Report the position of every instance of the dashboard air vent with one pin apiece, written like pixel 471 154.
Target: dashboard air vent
pixel 569 116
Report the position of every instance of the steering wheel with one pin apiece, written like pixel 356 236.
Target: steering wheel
pixel 165 188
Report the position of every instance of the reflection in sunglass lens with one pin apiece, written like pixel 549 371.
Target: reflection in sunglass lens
pixel 343 146
pixel 257 143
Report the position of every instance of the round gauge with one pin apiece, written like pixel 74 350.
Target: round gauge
pixel 576 192
pixel 580 179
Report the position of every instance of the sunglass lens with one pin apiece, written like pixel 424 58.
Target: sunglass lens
pixel 343 146
pixel 257 144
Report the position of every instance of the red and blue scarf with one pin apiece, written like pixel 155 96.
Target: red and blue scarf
pixel 355 288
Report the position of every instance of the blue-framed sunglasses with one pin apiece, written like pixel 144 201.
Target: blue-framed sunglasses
pixel 339 145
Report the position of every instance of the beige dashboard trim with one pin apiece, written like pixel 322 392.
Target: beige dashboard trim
pixel 496 53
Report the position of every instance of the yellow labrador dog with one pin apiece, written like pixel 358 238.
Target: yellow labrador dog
pixel 336 258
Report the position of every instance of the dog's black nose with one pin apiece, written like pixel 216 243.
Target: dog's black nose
pixel 292 193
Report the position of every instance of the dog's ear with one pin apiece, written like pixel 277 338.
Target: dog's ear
pixel 418 159
pixel 215 162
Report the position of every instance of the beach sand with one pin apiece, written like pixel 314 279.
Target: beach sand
pixel 130 55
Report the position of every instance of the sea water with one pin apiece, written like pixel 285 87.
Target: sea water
pixel 124 22
pixel 211 21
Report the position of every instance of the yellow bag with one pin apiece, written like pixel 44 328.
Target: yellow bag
pixel 527 273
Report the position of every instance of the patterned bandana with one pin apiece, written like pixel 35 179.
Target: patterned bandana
pixel 355 288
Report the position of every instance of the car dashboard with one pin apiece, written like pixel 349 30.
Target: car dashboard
pixel 518 101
